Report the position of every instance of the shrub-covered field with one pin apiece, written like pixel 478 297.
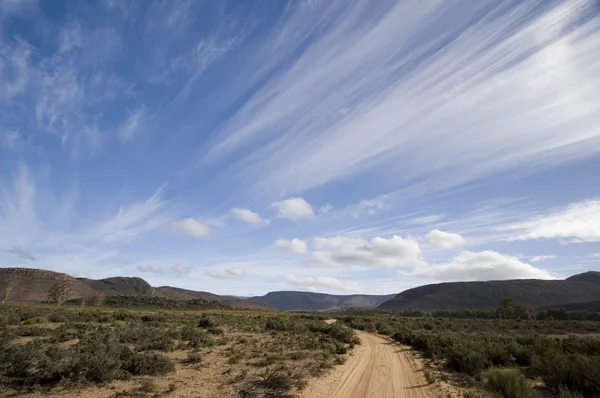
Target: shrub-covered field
pixel 561 357
pixel 248 353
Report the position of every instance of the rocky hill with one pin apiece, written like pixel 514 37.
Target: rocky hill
pixel 297 301
pixel 120 286
pixel 487 295
pixel 29 284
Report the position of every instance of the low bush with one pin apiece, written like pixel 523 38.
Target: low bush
pixel 119 324
pixel 509 383
pixel 575 372
pixel 429 376
pixel 194 357
pixel 215 330
pixel 150 364
pixel 35 321
pixel 206 322
pixel 339 348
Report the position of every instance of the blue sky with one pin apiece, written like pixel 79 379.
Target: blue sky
pixel 243 147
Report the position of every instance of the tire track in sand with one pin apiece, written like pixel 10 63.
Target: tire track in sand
pixel 377 368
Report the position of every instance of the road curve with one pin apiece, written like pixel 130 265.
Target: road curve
pixel 377 368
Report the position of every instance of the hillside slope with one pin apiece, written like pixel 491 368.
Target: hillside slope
pixel 33 284
pixel 120 286
pixel 487 295
pixel 297 301
pixel 176 293
pixel 590 276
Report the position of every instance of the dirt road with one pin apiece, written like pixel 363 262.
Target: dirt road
pixel 377 368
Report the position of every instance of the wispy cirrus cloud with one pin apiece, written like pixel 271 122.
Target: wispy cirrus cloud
pixel 133 220
pixel 417 109
pixel 133 123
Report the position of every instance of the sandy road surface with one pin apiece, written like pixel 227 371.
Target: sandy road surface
pixel 378 368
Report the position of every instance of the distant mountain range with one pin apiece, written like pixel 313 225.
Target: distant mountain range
pixel 34 284
pixel 580 291
pixel 581 288
pixel 297 301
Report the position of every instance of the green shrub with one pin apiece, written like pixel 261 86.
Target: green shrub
pixel 57 317
pixel 342 334
pixel 466 360
pixel 277 324
pixel 194 357
pixel 148 338
pixel 64 332
pixel 509 383
pixel 215 330
pixel 119 324
pixel 429 376
pixel 35 321
pixel 206 322
pixel 339 348
pixel 196 338
pixel 576 372
pixel 150 364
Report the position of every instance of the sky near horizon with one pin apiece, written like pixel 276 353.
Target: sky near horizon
pixel 241 147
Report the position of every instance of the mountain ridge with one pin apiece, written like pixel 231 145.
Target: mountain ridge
pixel 33 284
pixel 290 300
pixel 577 289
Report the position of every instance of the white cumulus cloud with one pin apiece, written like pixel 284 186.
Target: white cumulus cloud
pixel 482 266
pixel 578 222
pixel 248 216
pixel 293 209
pixel 191 227
pixel 293 245
pixel 446 240
pixel 377 252
pixel 312 282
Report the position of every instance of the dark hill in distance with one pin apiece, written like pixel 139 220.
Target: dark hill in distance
pixel 590 276
pixel 487 295
pixel 308 301
pixel 176 293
